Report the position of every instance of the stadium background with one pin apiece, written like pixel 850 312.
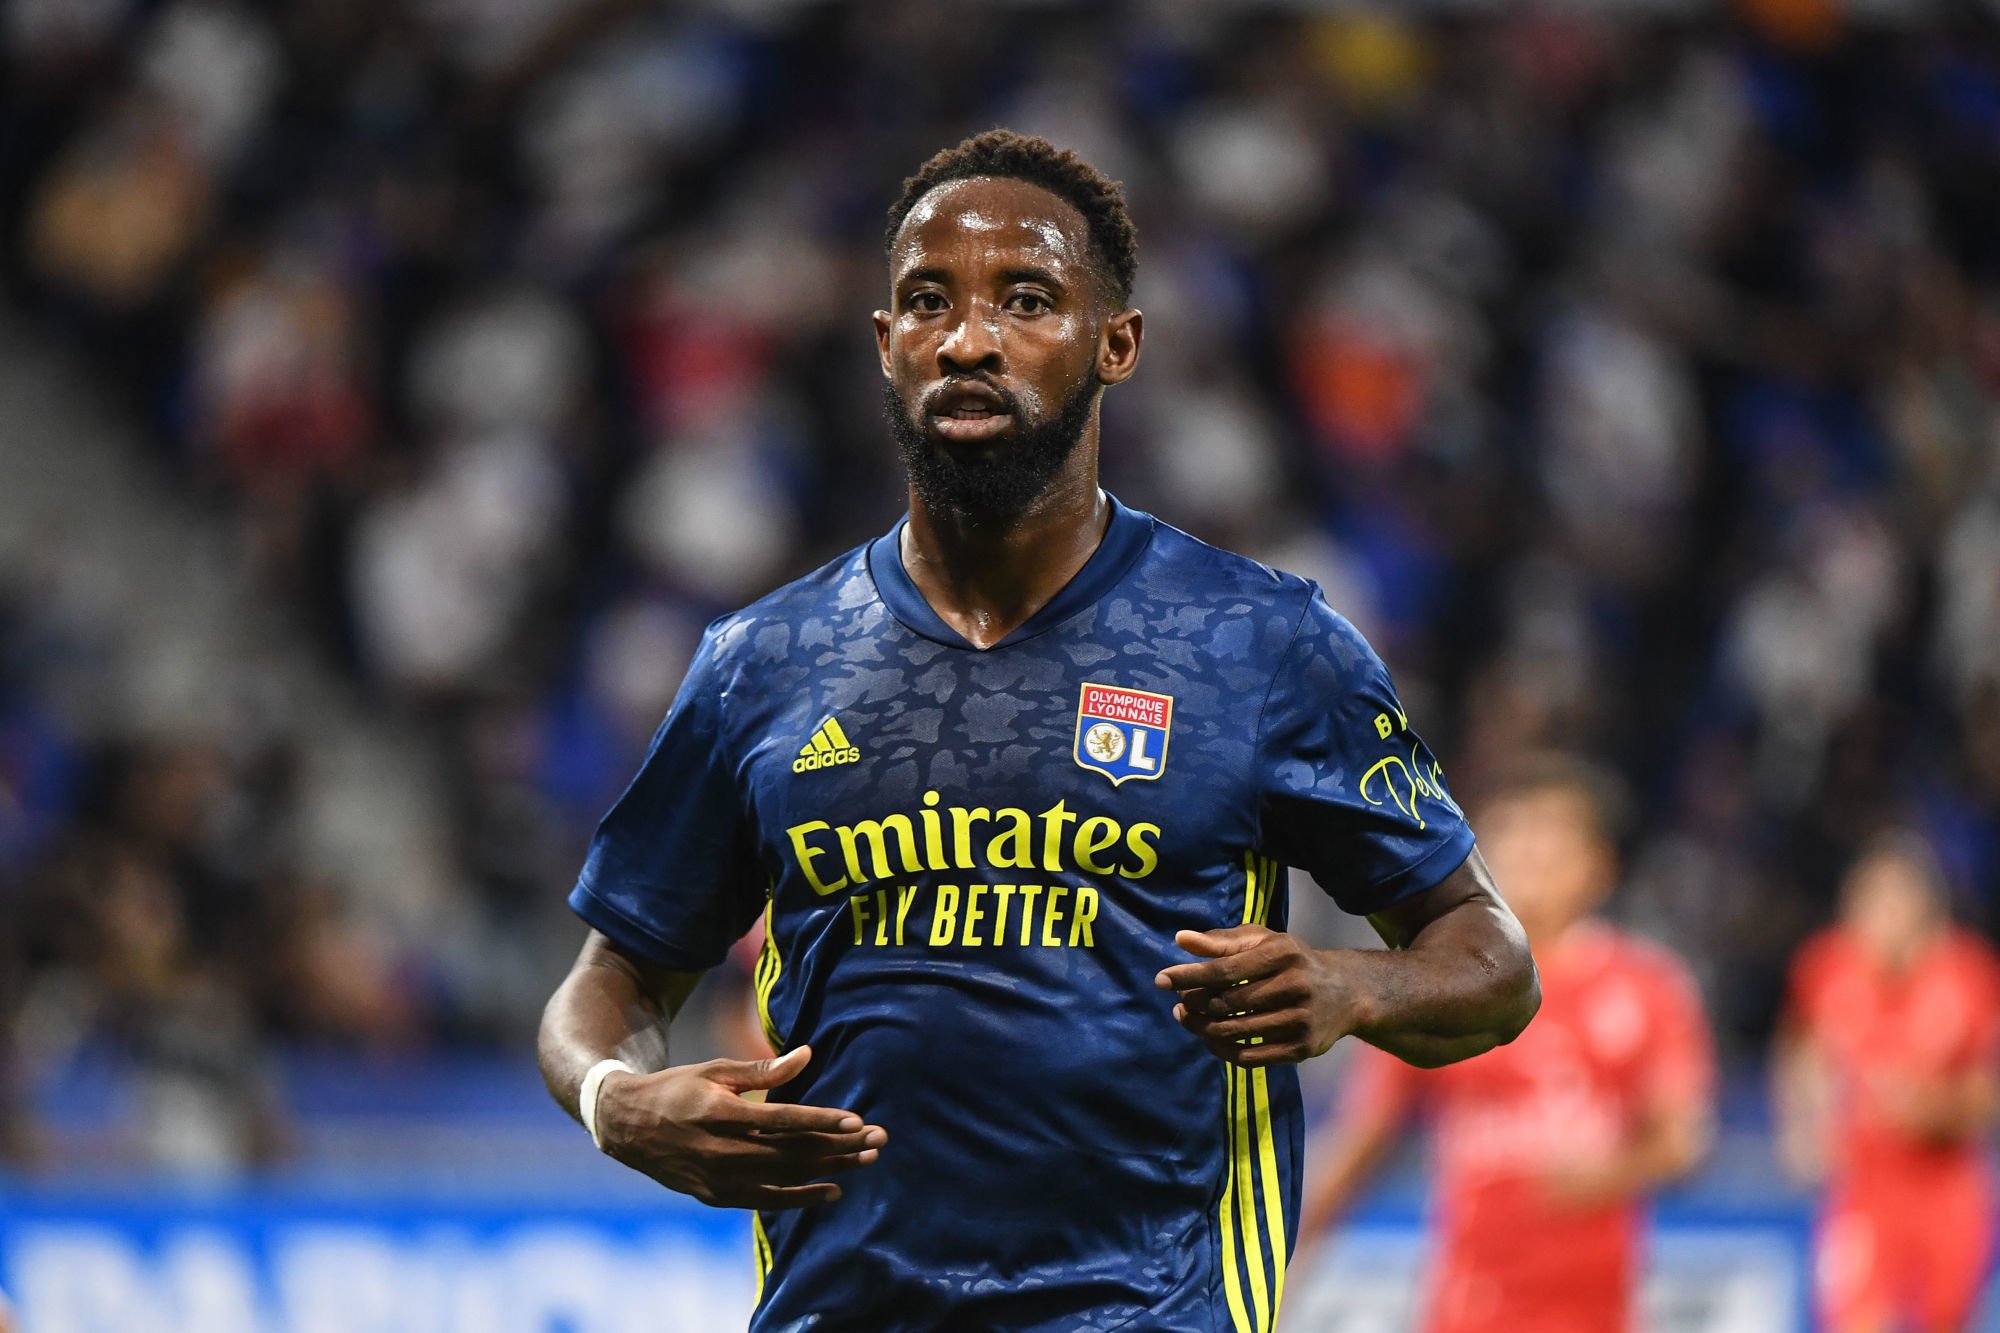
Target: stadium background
pixel 390 391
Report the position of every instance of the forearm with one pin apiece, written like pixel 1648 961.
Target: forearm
pixel 1961 1110
pixel 1799 1105
pixel 1670 1148
pixel 1462 983
pixel 608 1006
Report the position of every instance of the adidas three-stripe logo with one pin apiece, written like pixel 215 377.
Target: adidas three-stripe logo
pixel 829 746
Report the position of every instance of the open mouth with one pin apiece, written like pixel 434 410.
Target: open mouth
pixel 971 413
pixel 968 424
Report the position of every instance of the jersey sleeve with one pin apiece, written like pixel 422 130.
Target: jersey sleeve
pixel 1349 793
pixel 1981 985
pixel 1810 978
pixel 672 872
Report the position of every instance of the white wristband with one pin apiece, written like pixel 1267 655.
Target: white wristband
pixel 586 1096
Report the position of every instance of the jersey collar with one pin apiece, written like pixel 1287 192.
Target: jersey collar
pixel 1126 536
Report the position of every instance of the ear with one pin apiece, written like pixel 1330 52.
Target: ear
pixel 1118 346
pixel 882 340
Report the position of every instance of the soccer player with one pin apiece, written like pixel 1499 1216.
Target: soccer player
pixel 1888 1081
pixel 1013 787
pixel 1545 1150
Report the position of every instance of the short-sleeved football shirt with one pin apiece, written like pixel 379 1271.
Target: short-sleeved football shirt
pixel 1879 1030
pixel 971 864
pixel 1907 1228
pixel 1621 1030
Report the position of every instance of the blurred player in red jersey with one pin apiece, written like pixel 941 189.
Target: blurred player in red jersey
pixel 1886 1088
pixel 1545 1149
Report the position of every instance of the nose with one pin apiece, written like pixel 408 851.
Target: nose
pixel 972 343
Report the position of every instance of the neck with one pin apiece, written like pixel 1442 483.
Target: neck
pixel 987 579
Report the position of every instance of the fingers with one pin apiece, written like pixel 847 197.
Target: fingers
pixel 770 1198
pixel 1248 956
pixel 1282 1025
pixel 1222 941
pixel 790 1160
pixel 750 1075
pixel 739 1076
pixel 786 1118
pixel 1271 992
pixel 806 1146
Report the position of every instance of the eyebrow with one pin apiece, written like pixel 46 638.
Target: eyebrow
pixel 1028 273
pixel 1031 273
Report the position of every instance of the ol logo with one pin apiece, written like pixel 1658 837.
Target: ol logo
pixel 1123 733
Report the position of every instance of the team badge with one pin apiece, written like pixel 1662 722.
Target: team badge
pixel 1123 733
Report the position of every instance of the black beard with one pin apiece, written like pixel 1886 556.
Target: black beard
pixel 1001 486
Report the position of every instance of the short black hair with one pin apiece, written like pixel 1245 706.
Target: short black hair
pixel 1031 158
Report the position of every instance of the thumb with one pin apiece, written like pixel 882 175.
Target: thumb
pixel 1220 943
pixel 749 1075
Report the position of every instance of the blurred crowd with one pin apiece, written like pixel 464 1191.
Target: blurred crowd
pixel 1627 372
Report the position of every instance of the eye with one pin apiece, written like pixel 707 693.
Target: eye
pixel 1029 303
pixel 926 303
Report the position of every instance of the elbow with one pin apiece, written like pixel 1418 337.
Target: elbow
pixel 1522 1000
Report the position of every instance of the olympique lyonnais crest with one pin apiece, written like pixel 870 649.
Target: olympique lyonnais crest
pixel 1123 733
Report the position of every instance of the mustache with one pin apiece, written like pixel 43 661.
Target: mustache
pixel 932 398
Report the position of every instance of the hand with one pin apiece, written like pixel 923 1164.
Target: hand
pixel 1263 998
pixel 691 1129
pixel 1922 1107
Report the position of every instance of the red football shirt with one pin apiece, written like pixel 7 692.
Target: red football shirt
pixel 1877 1031
pixel 1621 1029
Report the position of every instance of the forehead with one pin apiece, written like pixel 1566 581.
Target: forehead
pixel 991 218
pixel 1888 874
pixel 1538 809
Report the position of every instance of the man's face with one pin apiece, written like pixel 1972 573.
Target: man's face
pixel 996 345
pixel 1890 907
pixel 1548 858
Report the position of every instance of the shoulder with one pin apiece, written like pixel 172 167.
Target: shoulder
pixel 1973 958
pixel 1291 614
pixel 1182 559
pixel 1825 956
pixel 1828 947
pixel 789 620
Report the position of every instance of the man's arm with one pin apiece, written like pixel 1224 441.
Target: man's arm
pixel 1457 979
pixel 689 1126
pixel 1947 1110
pixel 1801 1104
pixel 1671 1140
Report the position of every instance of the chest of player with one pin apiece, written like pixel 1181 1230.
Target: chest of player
pixel 1590 1042
pixel 1012 767
pixel 1925 1022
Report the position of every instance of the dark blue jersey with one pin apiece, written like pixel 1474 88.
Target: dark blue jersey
pixel 971 864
